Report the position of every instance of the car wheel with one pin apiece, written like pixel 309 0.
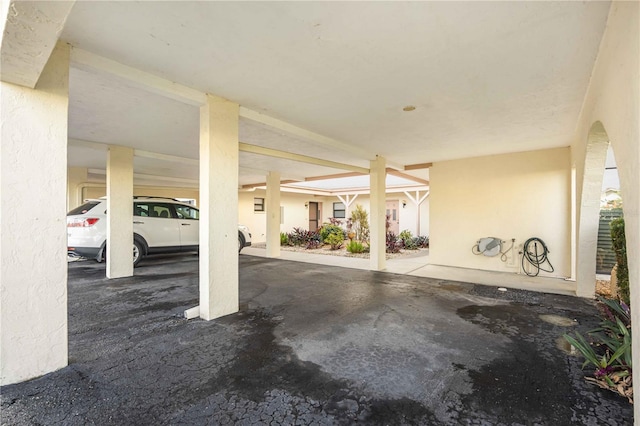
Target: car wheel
pixel 137 252
pixel 240 243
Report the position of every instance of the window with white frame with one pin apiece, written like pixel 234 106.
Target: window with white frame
pixel 339 211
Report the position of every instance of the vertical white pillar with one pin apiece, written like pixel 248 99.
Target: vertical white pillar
pixel 119 212
pixel 219 157
pixel 75 177
pixel 33 259
pixel 273 214
pixel 377 176
pixel 574 223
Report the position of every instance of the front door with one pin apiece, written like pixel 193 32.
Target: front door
pixel 394 218
pixel 314 216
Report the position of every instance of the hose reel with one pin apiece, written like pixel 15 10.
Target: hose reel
pixel 492 246
pixel 489 246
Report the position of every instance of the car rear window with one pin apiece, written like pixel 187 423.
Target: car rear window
pixel 83 208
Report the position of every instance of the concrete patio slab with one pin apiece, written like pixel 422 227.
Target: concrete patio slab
pixel 313 344
pixel 418 265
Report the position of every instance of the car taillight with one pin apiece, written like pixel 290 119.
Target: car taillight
pixel 82 223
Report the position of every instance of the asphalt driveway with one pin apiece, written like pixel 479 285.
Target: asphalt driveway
pixel 313 344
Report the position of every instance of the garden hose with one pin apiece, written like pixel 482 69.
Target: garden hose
pixel 537 256
pixel 503 254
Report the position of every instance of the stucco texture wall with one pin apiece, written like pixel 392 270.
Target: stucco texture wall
pixel 33 269
pixel 519 196
pixel 612 104
pixel 613 100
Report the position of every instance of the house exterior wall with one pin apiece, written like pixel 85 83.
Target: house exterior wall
pixel 297 215
pixel 519 196
pixel 613 99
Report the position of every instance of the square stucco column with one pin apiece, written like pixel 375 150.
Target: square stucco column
pixel 119 212
pixel 219 157
pixel 273 214
pixel 377 178
pixel 33 259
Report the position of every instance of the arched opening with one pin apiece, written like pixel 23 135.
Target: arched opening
pixel 610 209
pixel 589 208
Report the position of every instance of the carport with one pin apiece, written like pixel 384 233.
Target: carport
pixel 509 104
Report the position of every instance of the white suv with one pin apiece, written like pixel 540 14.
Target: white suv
pixel 160 225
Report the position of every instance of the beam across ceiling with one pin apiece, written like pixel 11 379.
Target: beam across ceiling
pixel 260 150
pixel 30 31
pixel 88 61
pixel 406 176
pixel 418 166
pixel 243 147
pixel 305 134
pixel 150 177
pixel 136 152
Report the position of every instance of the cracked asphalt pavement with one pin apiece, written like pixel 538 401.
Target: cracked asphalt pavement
pixel 313 345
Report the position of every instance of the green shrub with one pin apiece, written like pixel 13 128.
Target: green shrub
pixel 355 246
pixel 330 229
pixel 360 223
pixel 408 242
pixel 405 235
pixel 609 348
pixel 422 241
pixel 304 238
pixel 335 241
pixel 619 246
pixel 284 239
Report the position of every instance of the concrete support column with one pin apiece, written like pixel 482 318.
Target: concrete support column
pixel 589 218
pixel 378 177
pixel 119 212
pixel 219 155
pixel 33 259
pixel 273 214
pixel 75 177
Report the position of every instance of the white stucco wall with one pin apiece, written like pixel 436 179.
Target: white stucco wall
pixel 519 196
pixel 408 214
pixel 297 215
pixel 613 99
pixel 33 268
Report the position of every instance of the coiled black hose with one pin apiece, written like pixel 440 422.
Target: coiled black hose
pixel 536 256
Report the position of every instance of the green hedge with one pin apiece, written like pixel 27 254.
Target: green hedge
pixel 620 248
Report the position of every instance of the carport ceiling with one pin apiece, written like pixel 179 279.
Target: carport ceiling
pixel 484 77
